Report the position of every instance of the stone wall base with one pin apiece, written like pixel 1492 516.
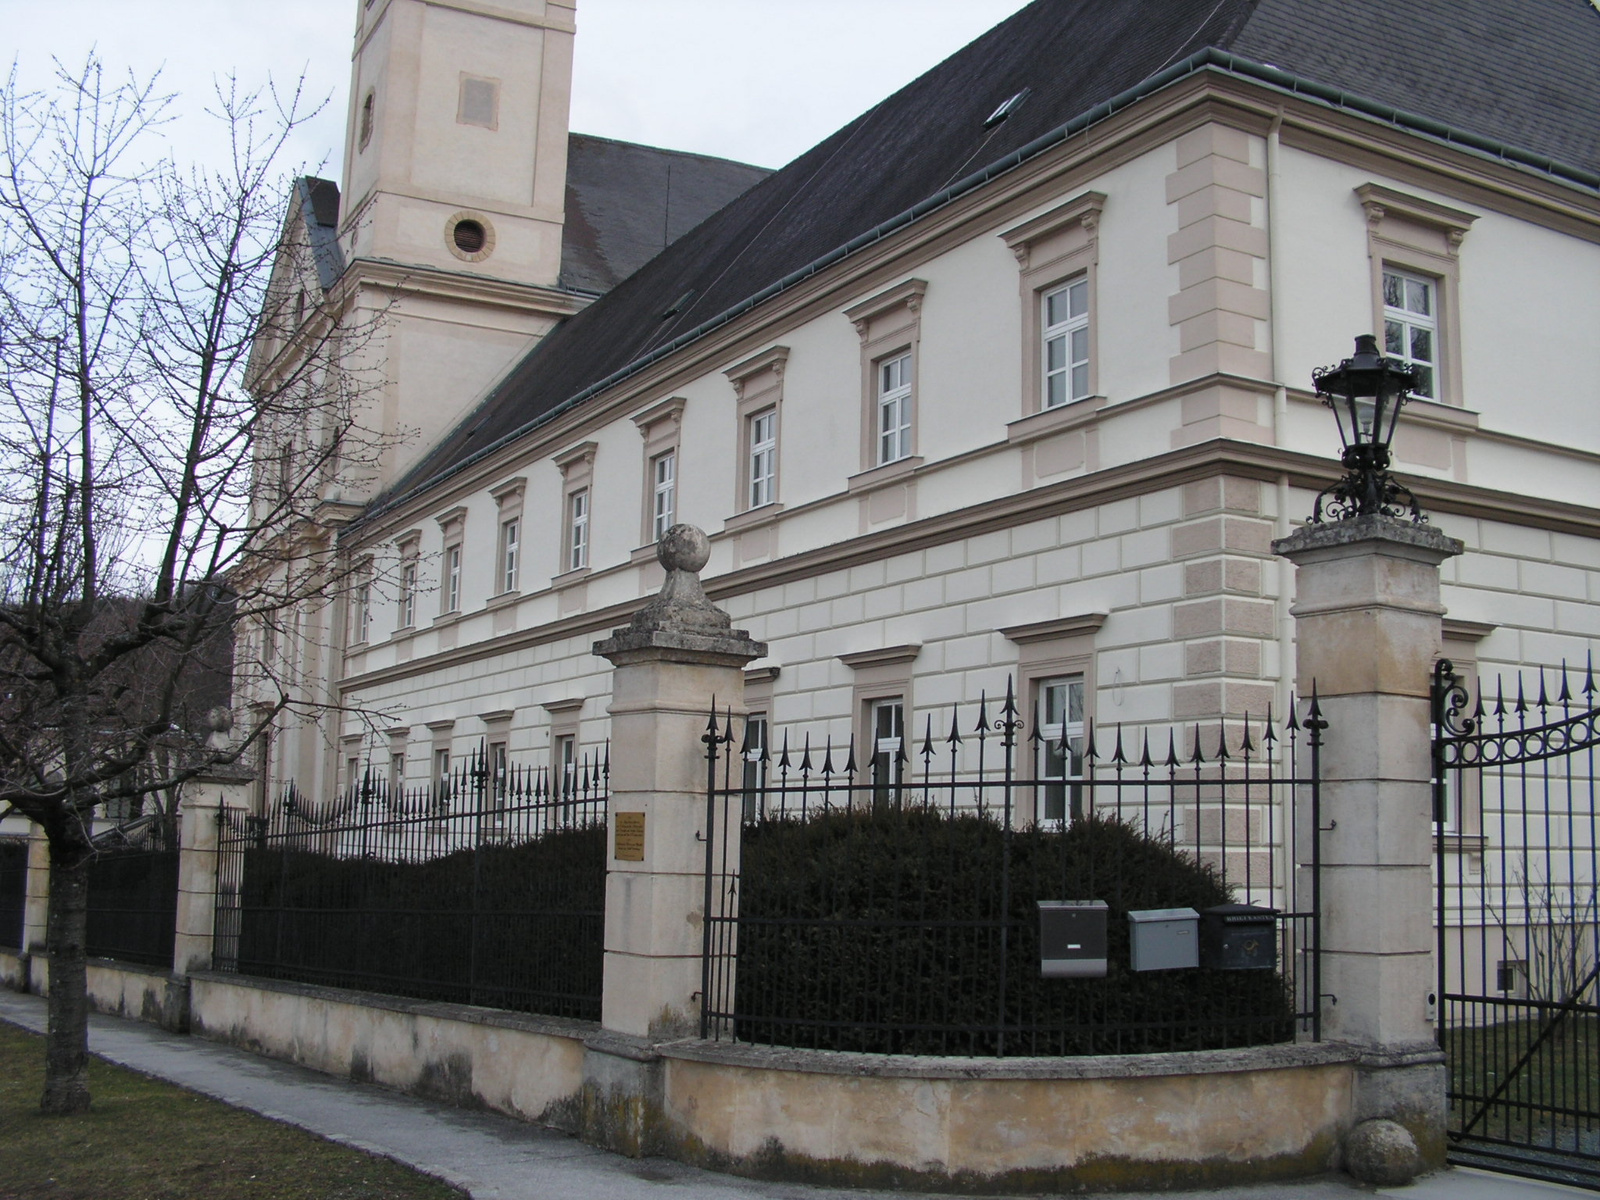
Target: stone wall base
pixel 122 989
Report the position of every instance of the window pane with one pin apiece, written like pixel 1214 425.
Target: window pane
pixel 1055 353
pixel 1078 298
pixel 1055 391
pixel 1393 290
pixel 1080 382
pixel 1419 297
pixel 1422 345
pixel 1394 338
pixel 1055 308
pixel 1425 382
pixel 1080 345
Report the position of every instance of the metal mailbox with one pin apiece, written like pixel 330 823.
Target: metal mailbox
pixel 1164 939
pixel 1072 939
pixel 1239 937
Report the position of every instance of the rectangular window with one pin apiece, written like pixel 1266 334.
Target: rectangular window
pixel 664 477
pixel 578 530
pixel 352 773
pixel 1060 718
pixel 763 458
pixel 499 773
pixel 755 765
pixel 894 409
pixel 1411 326
pixel 510 554
pixel 441 771
pixel 567 764
pixel 887 721
pixel 361 613
pixel 452 579
pixel 408 595
pixel 397 772
pixel 1066 343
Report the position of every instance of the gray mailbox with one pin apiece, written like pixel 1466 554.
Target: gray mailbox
pixel 1164 939
pixel 1239 937
pixel 1072 939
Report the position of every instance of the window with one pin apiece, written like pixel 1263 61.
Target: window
pixel 1059 714
pixel 366 120
pixel 1411 326
pixel 754 753
pixel 886 719
pixel 1065 323
pixel 499 774
pixel 894 409
pixel 763 458
pixel 663 473
pixel 452 579
pixel 361 612
pixel 352 773
pixel 566 772
pixel 397 771
pixel 408 594
pixel 510 549
pixel 578 530
pixel 441 771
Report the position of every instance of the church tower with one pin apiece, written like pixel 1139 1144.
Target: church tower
pixel 451 212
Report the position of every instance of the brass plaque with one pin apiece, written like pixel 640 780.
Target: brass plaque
pixel 630 837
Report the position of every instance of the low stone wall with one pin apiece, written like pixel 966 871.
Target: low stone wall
pixel 1011 1125
pixel 525 1066
pixel 123 989
pixel 13 969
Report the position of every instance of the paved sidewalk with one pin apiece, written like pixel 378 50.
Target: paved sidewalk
pixel 496 1158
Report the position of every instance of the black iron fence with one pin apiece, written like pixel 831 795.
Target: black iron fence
pixel 905 898
pixel 487 887
pixel 13 890
pixel 1518 928
pixel 133 892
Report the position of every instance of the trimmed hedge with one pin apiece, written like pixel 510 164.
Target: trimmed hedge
pixel 516 927
pixel 882 932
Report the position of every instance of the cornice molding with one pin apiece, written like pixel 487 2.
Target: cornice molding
pixel 907 295
pixel 1061 627
pixel 888 656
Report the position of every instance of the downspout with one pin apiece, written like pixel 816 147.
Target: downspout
pixel 1287 659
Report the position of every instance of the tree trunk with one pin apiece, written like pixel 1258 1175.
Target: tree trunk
pixel 66 1062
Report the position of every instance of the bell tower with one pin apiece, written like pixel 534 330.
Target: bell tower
pixel 456 143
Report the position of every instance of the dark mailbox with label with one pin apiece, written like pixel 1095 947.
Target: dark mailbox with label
pixel 1072 939
pixel 1239 937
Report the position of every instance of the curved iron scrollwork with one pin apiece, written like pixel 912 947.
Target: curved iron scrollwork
pixel 1363 491
pixel 1462 740
pixel 1451 701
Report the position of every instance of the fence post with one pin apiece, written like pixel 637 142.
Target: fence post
pixel 200 809
pixel 1367 627
pixel 35 905
pixel 678 657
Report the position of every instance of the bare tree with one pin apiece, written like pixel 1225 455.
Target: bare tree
pixel 155 479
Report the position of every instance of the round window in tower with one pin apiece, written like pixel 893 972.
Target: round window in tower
pixel 469 237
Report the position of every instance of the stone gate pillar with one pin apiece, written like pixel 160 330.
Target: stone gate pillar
pixel 201 807
pixel 680 655
pixel 36 904
pixel 1367 629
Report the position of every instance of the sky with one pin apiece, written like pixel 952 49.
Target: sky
pixel 759 81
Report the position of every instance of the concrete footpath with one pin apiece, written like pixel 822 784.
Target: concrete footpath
pixel 496 1158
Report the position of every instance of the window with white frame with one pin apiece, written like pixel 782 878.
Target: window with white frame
pixel 664 485
pixel 578 530
pixel 763 458
pixel 499 773
pixel 397 771
pixel 452 578
pixel 510 553
pixel 1411 325
pixel 754 753
pixel 361 612
pixel 441 770
pixel 894 409
pixel 408 593
pixel 886 719
pixel 566 756
pixel 1065 320
pixel 1060 766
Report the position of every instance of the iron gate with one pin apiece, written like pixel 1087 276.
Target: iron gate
pixel 1519 1010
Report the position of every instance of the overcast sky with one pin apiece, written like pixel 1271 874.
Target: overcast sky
pixel 754 80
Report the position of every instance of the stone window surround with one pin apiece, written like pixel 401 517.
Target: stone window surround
pixel 409 547
pixel 758 386
pixel 350 748
pixel 565 717
pixel 889 325
pixel 509 498
pixel 358 611
pixel 452 525
pixel 1424 238
pixel 1051 649
pixel 442 738
pixel 882 674
pixel 661 429
pixel 1459 644
pixel 399 738
pixel 577 474
pixel 1050 250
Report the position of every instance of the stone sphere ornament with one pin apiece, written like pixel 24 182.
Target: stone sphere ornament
pixel 1382 1152
pixel 684 548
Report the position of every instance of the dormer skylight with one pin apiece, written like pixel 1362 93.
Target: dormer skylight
pixel 1006 109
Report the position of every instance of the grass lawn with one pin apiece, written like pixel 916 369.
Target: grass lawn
pixel 147 1140
pixel 1542 1103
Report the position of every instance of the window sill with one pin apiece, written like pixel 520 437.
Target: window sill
pixel 501 601
pixel 449 618
pixel 401 634
pixel 888 473
pixel 568 578
pixel 1460 843
pixel 1055 420
pixel 644 554
pixel 752 517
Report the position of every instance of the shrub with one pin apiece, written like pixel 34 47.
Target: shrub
pixel 883 932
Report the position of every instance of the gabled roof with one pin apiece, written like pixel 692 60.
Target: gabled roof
pixel 626 202
pixel 319 209
pixel 1483 73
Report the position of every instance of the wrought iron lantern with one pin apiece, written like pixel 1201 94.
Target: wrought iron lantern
pixel 1366 393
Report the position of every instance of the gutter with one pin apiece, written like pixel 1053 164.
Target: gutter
pixel 1208 58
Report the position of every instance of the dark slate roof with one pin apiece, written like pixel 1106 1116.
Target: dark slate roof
pixel 626 202
pixel 1522 72
pixel 319 209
